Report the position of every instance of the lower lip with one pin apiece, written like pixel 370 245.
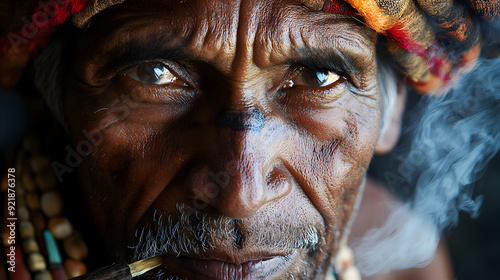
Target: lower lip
pixel 191 268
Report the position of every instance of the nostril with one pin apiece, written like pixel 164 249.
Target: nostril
pixel 278 182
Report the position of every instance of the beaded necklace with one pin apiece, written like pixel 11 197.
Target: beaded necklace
pixel 41 226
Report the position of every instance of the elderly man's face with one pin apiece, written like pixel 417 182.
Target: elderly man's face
pixel 236 132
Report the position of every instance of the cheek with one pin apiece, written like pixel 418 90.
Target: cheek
pixel 334 152
pixel 129 142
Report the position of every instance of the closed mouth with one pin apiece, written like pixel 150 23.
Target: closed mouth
pixel 195 267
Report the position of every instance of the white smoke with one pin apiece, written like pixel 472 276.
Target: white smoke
pixel 456 136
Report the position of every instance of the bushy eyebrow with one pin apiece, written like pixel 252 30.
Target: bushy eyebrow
pixel 133 52
pixel 333 42
pixel 133 49
pixel 144 44
pixel 343 63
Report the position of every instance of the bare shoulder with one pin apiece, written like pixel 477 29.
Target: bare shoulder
pixel 375 207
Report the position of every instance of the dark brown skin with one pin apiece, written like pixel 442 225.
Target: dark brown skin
pixel 295 155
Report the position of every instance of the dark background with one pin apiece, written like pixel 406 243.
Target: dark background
pixel 475 243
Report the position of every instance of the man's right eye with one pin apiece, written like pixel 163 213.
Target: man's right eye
pixel 154 73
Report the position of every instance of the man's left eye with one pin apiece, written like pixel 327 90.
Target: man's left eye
pixel 314 78
pixel 154 73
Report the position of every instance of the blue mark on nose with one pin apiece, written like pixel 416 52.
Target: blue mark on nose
pixel 239 121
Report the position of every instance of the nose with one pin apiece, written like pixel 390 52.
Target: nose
pixel 241 174
pixel 238 121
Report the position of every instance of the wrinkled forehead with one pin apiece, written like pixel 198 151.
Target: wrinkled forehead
pixel 96 6
pixel 245 32
pixel 237 14
pixel 235 11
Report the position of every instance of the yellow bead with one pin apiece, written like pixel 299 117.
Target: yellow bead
pixel 75 247
pixel 36 262
pixel 39 163
pixel 51 204
pixel 60 227
pixel 33 201
pixel 74 268
pixel 30 245
pixel 28 182
pixel 43 275
pixel 23 213
pixel 26 229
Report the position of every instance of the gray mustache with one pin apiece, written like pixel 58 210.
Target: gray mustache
pixel 191 232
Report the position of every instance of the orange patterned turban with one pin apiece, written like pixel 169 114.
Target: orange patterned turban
pixel 431 41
